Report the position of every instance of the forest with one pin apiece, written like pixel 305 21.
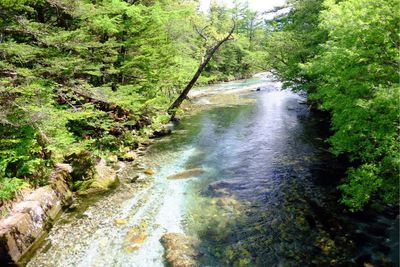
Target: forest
pixel 82 80
pixel 98 76
pixel 345 56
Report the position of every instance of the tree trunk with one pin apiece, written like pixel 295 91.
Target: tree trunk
pixel 209 53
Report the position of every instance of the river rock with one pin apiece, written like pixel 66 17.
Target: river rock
pixel 112 159
pixel 224 188
pixel 121 221
pixel 128 156
pixel 142 148
pixel 146 143
pixel 133 178
pixel 30 217
pixel 119 166
pixel 180 250
pixel 186 174
pixel 141 153
pixel 163 131
pixel 149 171
pixel 105 177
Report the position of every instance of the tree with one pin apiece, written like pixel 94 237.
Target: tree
pixel 294 40
pixel 357 77
pixel 210 51
pixel 344 55
pixel 84 75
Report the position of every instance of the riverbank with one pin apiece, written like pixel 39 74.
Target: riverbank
pixel 116 200
pixel 248 183
pixel 30 216
pixel 89 178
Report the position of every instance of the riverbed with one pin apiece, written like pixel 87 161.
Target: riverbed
pixel 260 192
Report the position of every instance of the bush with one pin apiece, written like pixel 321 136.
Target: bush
pixel 9 186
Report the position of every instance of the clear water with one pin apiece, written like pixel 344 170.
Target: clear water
pixel 265 197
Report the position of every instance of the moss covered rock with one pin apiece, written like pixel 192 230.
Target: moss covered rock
pixel 105 177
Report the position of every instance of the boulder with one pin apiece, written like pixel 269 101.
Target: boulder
pixel 180 250
pixel 128 156
pixel 49 200
pixel 105 177
pixel 30 217
pixel 112 159
pixel 163 131
pixel 82 164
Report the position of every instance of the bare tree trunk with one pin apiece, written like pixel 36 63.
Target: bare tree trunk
pixel 204 61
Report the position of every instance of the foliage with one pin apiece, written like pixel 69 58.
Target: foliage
pixel 9 186
pixel 353 74
pixel 93 76
pixel 245 55
pixel 294 40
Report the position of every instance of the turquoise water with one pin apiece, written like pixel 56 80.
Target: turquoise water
pixel 262 194
pixel 267 196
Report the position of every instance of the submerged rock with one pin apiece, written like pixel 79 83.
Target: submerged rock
pixel 138 238
pixel 186 174
pixel 224 187
pixel 134 238
pixel 180 250
pixel 149 171
pixel 121 221
pixel 132 248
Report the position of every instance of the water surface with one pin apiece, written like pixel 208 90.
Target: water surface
pixel 265 196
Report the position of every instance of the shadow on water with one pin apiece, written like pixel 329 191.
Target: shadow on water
pixel 268 195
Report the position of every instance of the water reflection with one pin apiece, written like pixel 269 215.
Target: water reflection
pixel 261 201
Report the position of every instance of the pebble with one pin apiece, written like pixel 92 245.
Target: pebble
pixel 149 171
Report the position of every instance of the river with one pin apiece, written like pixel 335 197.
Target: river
pixel 262 193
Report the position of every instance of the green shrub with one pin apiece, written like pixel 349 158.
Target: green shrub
pixel 9 186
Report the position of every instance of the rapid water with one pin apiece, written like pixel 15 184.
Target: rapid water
pixel 262 195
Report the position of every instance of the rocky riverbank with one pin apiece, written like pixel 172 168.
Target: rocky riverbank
pixel 30 217
pixel 72 186
pixel 234 185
